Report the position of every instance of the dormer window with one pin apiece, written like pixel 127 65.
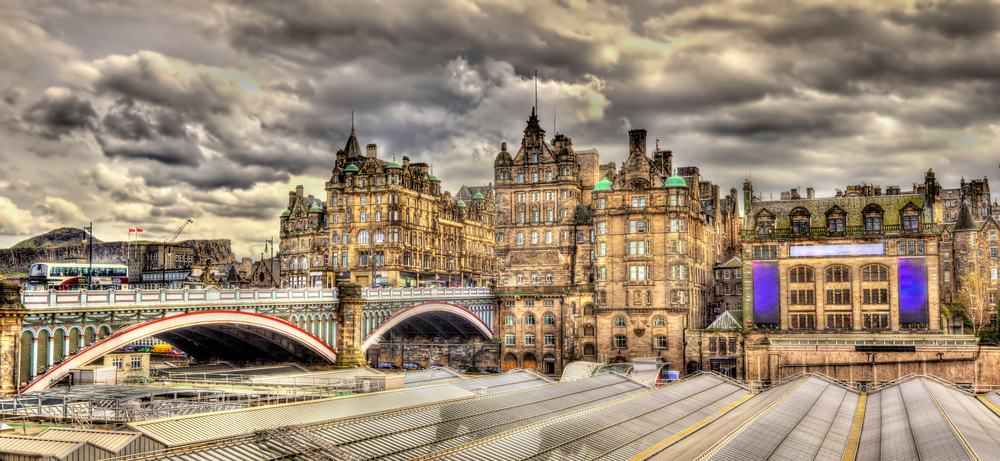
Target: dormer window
pixel 800 221
pixel 765 223
pixel 835 221
pixel 910 217
pixel 873 219
pixel 534 158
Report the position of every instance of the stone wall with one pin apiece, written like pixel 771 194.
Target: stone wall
pixel 428 352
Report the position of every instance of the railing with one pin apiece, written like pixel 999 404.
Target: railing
pixel 389 293
pixel 85 298
pixel 849 231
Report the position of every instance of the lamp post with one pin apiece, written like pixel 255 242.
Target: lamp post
pixel 269 243
pixel 89 231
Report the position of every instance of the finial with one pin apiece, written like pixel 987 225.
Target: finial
pixel 352 123
pixel 536 89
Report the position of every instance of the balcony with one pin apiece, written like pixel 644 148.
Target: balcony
pixel 849 231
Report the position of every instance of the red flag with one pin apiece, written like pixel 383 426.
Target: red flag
pixel 131 230
pixel 138 230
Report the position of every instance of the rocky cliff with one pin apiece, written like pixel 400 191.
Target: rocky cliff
pixel 17 260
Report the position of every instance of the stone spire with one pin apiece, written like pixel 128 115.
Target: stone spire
pixel 353 148
pixel 965 222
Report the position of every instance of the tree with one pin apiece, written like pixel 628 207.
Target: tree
pixel 973 294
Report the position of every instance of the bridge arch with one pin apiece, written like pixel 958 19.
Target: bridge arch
pixel 250 330
pixel 455 316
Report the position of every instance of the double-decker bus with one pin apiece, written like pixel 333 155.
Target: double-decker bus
pixel 72 276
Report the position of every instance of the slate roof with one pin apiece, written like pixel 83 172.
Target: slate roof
pixel 852 207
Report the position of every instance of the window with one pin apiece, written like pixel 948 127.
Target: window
pixel 911 223
pixel 619 321
pixel 550 339
pixel 548 236
pixel 637 272
pixel 549 319
pixel 800 275
pixel 911 248
pixel 620 342
pixel 802 297
pixel 529 304
pixel 588 330
pixel 765 225
pixel 601 228
pixel 659 322
pixel 600 204
pixel 637 226
pixel 637 247
pixel 678 297
pixel 659 342
pixel 838 321
pixel 509 319
pixel 520 238
pixel 601 249
pixel 874 274
pixel 529 319
pixel 947 276
pixel 534 237
pixel 136 362
pixel 993 253
pixel 520 177
pixel 838 296
pixel 508 340
pixel 876 321
pixel 875 296
pixel 676 225
pixel 529 339
pixel 993 273
pixel 638 201
pixel 712 344
pixel 363 236
pixel 118 363
pixel 534 177
pixel 765 252
pixel 803 321
pixel 604 274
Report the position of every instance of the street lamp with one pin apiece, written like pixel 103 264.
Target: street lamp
pixel 89 234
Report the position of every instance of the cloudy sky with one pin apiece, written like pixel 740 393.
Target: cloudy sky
pixel 148 112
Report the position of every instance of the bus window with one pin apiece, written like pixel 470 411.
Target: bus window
pixel 38 270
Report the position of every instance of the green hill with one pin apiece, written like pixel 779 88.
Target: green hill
pixel 55 238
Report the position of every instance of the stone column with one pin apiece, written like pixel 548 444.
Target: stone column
pixel 11 319
pixel 349 336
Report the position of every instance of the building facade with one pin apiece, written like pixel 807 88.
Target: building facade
pixel 159 265
pixel 598 263
pixel 386 224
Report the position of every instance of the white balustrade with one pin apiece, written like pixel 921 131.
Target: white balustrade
pixel 85 298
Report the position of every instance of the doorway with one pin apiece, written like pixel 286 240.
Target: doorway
pixel 529 361
pixel 550 364
pixel 509 362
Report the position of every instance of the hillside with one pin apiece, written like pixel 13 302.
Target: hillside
pixel 55 238
pixel 17 260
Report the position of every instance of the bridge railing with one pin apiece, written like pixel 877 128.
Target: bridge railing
pixel 388 293
pixel 84 298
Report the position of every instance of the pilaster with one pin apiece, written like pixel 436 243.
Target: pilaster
pixel 349 334
pixel 11 318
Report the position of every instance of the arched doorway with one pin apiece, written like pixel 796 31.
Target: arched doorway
pixel 692 367
pixel 619 359
pixel 509 361
pixel 549 364
pixel 529 361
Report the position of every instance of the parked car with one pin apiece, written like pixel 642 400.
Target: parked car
pixel 437 365
pixel 388 366
pixel 491 370
pixel 413 366
pixel 469 369
pixel 174 352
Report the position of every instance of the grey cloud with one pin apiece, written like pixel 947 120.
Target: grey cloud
pixel 59 111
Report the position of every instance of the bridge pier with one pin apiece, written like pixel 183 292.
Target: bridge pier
pixel 11 319
pixel 349 335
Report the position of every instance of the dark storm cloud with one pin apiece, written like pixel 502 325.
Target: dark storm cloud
pixel 58 112
pixel 212 174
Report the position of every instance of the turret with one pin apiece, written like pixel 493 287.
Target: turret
pixel 747 196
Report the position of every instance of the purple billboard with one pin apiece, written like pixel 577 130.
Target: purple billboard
pixel 912 290
pixel 766 292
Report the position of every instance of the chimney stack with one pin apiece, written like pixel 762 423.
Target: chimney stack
pixel 637 141
pixel 810 192
pixel 371 151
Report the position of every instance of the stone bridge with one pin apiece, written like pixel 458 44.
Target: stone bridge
pixel 47 333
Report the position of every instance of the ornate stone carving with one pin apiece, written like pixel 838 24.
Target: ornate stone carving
pixel 10 295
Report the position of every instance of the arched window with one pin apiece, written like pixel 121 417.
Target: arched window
pixel 588 330
pixel 588 309
pixel 520 279
pixel 874 273
pixel 305 263
pixel 534 279
pixel 548 278
pixel 800 221
pixel 588 349
pixel 379 236
pixel 873 219
pixel 659 322
pixel 838 274
pixel 619 321
pixel 549 319
pixel 529 319
pixel 295 264
pixel 363 236
pixel 509 319
pixel 800 275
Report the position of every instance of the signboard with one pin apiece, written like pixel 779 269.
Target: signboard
pixel 766 295
pixel 913 290
pixel 866 249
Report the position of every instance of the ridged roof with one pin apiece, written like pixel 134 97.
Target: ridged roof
pixel 675 181
pixel 965 222
pixel 603 184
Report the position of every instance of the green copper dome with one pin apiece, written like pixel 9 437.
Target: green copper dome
pixel 675 181
pixel 351 167
pixel 315 209
pixel 478 195
pixel 461 204
pixel 393 164
pixel 433 177
pixel 603 184
pixel 285 214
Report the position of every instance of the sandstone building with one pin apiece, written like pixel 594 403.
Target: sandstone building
pixel 386 224
pixel 598 263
